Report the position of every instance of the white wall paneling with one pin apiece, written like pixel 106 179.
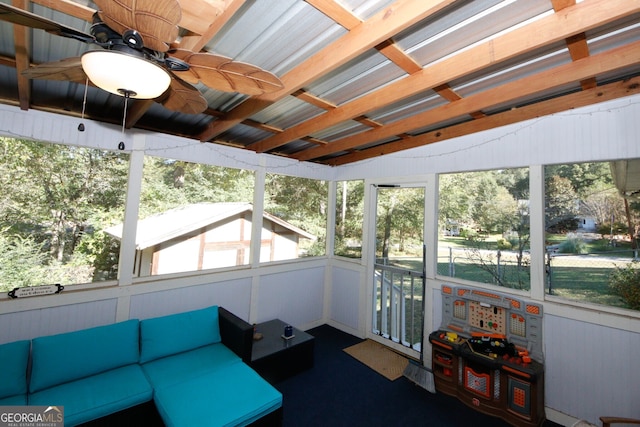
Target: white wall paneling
pixel 345 297
pixel 295 297
pixel 234 295
pixel 38 322
pixel 591 370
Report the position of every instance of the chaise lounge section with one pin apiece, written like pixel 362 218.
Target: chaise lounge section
pixel 197 380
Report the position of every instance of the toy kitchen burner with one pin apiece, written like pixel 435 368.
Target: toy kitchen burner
pixel 488 354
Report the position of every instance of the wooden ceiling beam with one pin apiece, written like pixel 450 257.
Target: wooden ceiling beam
pixel 314 100
pixel 68 7
pixel 196 42
pixel 382 26
pixel 368 122
pixel 261 126
pixel 577 44
pixel 22 40
pixel 314 140
pixel 337 12
pixel 7 61
pixel 551 106
pixel 388 48
pixel 617 58
pixel 451 95
pixel 393 52
pixel 197 15
pixel 545 31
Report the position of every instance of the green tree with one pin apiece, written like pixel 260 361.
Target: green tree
pixel 349 218
pixel 301 202
pixel 399 217
pixel 583 177
pixel 561 204
pixel 60 195
pixel 167 184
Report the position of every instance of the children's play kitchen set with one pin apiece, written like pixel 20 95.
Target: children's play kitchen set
pixel 488 354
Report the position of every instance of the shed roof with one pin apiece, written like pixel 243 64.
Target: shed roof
pixel 179 221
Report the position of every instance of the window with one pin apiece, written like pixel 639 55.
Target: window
pixel 192 217
pixel 483 222
pixel 349 218
pixel 295 218
pixel 591 233
pixel 57 201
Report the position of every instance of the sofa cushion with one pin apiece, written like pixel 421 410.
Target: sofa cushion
pixel 98 395
pixel 16 400
pixel 14 357
pixel 190 364
pixel 61 358
pixel 176 333
pixel 234 396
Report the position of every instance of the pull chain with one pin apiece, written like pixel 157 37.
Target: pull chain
pixel 124 118
pixel 84 104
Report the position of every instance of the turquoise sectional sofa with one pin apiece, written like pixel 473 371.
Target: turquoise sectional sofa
pixel 191 364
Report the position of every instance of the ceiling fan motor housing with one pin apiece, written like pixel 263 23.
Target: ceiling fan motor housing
pixel 129 42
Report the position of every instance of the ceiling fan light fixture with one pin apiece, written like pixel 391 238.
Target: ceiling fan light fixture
pixel 124 74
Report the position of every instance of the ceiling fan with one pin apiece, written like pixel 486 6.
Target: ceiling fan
pixel 134 57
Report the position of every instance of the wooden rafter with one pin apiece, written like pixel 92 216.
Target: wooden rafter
pixel 380 27
pixel 548 30
pixel 577 43
pixel 214 18
pixel 572 23
pixel 22 39
pixel 445 91
pixel 337 12
pixel 539 83
pixel 388 48
pixel 68 7
pixel 575 100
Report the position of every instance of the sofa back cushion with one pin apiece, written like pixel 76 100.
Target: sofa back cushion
pixel 14 358
pixel 61 358
pixel 177 333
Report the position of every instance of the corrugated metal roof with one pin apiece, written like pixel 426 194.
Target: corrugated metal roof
pixel 344 66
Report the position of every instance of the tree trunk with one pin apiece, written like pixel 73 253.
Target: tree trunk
pixel 387 235
pixel 630 228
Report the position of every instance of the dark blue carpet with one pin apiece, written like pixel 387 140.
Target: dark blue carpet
pixel 340 391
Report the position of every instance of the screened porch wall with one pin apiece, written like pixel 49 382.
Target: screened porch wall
pixel 294 293
pixel 589 351
pixel 326 290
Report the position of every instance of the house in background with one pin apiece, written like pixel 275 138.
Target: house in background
pixel 208 235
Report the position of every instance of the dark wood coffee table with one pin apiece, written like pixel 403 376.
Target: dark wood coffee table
pixel 276 358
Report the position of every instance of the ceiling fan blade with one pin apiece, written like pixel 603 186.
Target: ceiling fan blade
pixel 183 98
pixel 156 20
pixel 69 69
pixel 18 16
pixel 222 73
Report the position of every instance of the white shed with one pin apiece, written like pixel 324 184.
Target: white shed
pixel 208 235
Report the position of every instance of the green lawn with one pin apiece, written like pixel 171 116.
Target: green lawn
pixel 584 278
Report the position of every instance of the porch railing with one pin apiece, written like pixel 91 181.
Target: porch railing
pixel 398 304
